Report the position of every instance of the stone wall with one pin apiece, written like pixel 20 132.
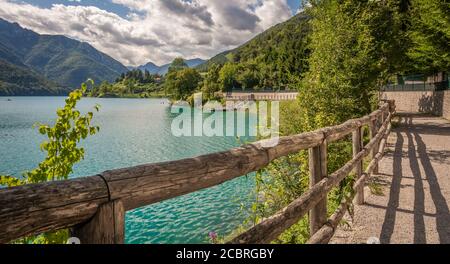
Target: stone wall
pixel 437 103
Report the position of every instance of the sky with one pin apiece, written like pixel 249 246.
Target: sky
pixel 135 32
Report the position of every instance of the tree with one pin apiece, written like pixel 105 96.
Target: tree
pixel 248 76
pixel 351 45
pixel 211 84
pixel 104 87
pixel 227 76
pixel 430 35
pixel 148 77
pixel 63 152
pixel 181 84
pixel 177 65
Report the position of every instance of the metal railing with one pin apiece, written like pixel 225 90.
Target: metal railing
pixel 416 86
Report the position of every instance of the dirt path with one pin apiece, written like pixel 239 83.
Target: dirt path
pixel 414 179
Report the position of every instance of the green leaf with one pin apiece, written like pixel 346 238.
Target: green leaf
pixel 62 151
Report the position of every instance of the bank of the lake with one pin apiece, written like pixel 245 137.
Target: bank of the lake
pixel 133 132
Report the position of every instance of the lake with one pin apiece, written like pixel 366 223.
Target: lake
pixel 132 132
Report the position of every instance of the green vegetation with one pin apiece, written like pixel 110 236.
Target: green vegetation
pixel 353 47
pixel 177 64
pixel 430 35
pixel 275 59
pixel 70 62
pixel 20 80
pixel 181 81
pixel 63 152
pixel 133 84
pixel 219 59
pixel 210 85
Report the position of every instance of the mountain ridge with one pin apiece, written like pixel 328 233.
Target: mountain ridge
pixel 60 59
pixel 163 69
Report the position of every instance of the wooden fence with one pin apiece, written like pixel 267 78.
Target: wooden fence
pixel 94 207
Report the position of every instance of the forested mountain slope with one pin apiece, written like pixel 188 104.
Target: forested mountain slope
pixel 277 56
pixel 63 60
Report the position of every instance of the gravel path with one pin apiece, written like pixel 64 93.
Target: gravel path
pixel 414 185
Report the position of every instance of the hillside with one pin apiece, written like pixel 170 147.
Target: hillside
pixel 16 80
pixel 279 55
pixel 162 70
pixel 219 59
pixel 63 60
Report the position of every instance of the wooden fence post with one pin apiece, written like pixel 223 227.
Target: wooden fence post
pixel 318 171
pixel 106 227
pixel 357 147
pixel 373 129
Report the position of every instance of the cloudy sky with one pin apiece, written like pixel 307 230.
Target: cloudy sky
pixel 137 31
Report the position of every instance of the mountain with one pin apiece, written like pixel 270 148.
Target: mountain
pixel 150 67
pixel 19 80
pixel 219 59
pixel 278 55
pixel 194 62
pixel 155 69
pixel 65 61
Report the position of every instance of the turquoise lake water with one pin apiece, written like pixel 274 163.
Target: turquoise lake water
pixel 133 132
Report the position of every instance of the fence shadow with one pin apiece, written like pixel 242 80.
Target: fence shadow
pixel 442 210
pixel 419 194
pixel 391 212
pixel 419 156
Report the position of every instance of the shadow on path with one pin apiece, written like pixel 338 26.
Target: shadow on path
pixel 419 195
pixel 442 211
pixel 389 219
pixel 418 155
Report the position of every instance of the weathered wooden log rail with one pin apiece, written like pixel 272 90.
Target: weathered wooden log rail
pixel 94 207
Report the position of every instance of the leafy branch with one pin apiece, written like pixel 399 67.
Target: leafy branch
pixel 63 152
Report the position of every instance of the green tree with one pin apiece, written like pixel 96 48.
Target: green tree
pixel 63 152
pixel 351 45
pixel 177 65
pixel 210 83
pixel 248 76
pixel 228 75
pixel 181 84
pixel 430 35
pixel 148 77
pixel 104 88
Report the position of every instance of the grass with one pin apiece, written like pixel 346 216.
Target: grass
pixel 376 188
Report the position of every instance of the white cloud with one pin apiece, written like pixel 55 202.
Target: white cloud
pixel 272 12
pixel 155 30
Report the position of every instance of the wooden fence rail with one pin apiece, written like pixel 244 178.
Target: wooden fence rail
pixel 94 207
